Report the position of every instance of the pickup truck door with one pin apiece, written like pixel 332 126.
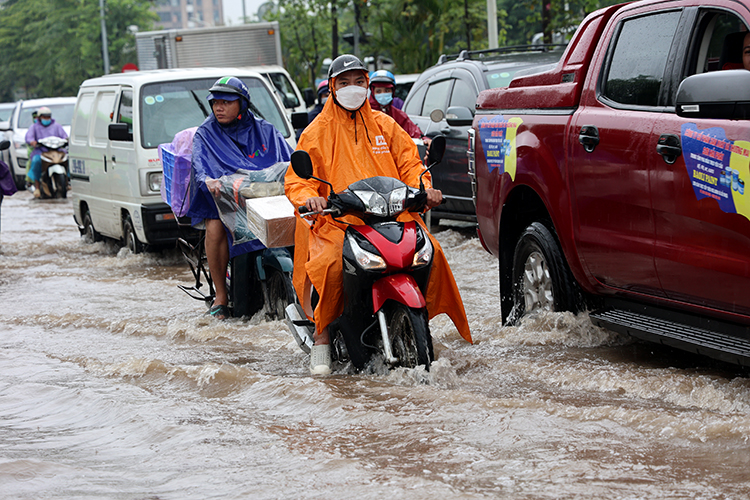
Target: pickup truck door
pixel 609 158
pixel 701 211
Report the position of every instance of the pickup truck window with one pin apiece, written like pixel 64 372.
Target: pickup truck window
pixel 720 36
pixel 636 69
pixel 463 94
pixel 437 96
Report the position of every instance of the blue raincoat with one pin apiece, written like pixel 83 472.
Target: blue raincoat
pixel 248 143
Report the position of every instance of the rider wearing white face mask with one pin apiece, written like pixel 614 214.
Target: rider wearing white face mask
pixel 347 142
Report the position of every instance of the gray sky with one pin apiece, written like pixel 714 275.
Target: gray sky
pixel 233 9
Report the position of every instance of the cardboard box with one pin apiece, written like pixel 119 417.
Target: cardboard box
pixel 271 220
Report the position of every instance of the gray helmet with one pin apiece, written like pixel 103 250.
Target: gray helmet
pixel 343 63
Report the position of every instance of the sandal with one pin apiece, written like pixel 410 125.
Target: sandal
pixel 220 312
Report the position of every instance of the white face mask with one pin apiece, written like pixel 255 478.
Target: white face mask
pixel 351 97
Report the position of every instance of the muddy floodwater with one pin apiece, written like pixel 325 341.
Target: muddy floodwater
pixel 115 385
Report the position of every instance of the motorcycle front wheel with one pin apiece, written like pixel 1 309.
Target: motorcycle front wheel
pixel 410 336
pixel 280 293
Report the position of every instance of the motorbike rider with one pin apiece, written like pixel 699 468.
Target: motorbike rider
pixel 348 142
pixel 382 88
pixel 45 126
pixel 229 139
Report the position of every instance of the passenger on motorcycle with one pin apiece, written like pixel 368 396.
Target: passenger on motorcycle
pixel 231 138
pixel 382 87
pixel 44 127
pixel 348 142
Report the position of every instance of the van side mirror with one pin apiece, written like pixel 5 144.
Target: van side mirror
pixel 299 120
pixel 120 132
pixel 718 94
pixel 302 164
pixel 459 116
pixel 308 95
pixel 4 144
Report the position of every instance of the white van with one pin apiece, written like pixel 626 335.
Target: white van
pixel 118 123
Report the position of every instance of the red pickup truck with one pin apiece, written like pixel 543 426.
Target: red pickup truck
pixel 616 182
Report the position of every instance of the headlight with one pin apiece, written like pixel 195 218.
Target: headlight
pixel 366 260
pixel 398 196
pixel 424 254
pixel 374 203
pixel 154 181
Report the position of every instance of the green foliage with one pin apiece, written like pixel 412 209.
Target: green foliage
pixel 51 46
pixel 413 33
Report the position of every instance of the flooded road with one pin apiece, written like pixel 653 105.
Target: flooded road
pixel 114 385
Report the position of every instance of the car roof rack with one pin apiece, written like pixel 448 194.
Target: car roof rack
pixel 489 54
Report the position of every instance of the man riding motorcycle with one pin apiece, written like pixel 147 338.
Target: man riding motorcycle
pixel 347 142
pixel 44 127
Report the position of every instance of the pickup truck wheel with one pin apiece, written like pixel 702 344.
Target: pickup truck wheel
pixel 541 280
pixel 131 239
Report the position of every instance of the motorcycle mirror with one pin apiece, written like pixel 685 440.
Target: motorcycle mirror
pixel 301 164
pixel 436 151
pixel 4 144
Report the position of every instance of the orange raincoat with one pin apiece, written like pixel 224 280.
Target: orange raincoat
pixel 345 148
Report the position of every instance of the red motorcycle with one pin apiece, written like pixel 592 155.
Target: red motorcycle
pixel 386 269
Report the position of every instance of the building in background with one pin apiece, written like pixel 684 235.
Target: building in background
pixel 175 14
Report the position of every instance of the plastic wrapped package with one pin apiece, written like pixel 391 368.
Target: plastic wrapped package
pixel 237 190
pixel 176 165
pixel 272 220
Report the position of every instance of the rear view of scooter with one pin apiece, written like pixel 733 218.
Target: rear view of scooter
pixel 386 265
pixel 54 179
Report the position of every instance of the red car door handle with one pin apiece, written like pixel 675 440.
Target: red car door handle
pixel 589 138
pixel 669 148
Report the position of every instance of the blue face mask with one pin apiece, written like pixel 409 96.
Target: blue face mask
pixel 46 121
pixel 384 99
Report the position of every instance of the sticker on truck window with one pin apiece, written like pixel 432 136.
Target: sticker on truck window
pixel 718 167
pixel 498 135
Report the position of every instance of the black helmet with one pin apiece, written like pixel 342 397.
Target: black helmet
pixel 343 63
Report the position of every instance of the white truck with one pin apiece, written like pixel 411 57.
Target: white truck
pixel 255 46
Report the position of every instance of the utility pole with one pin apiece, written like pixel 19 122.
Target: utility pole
pixel 105 47
pixel 492 23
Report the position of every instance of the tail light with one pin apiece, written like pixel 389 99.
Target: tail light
pixel 472 165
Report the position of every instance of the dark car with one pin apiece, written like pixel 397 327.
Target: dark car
pixel 452 86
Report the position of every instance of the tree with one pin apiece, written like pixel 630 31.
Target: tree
pixel 51 46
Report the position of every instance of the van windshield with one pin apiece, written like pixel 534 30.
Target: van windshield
pixel 170 107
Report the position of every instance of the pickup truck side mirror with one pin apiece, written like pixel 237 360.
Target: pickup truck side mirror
pixel 299 120
pixel 120 132
pixel 719 94
pixel 459 116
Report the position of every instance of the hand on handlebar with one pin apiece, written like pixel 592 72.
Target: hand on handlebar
pixel 316 204
pixel 434 197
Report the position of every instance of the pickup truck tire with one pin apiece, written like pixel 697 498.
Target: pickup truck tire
pixel 541 279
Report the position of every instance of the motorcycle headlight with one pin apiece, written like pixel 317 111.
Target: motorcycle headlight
pixel 154 181
pixel 374 203
pixel 366 260
pixel 423 256
pixel 398 197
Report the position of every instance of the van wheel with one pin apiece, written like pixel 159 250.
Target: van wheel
pixel 131 239
pixel 541 278
pixel 90 235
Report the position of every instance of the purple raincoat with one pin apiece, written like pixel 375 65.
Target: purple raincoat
pixel 38 131
pixel 249 143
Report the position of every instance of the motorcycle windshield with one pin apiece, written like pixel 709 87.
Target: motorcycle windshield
pixel 381 196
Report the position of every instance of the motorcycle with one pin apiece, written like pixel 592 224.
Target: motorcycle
pixel 54 179
pixel 386 270
pixel 258 279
